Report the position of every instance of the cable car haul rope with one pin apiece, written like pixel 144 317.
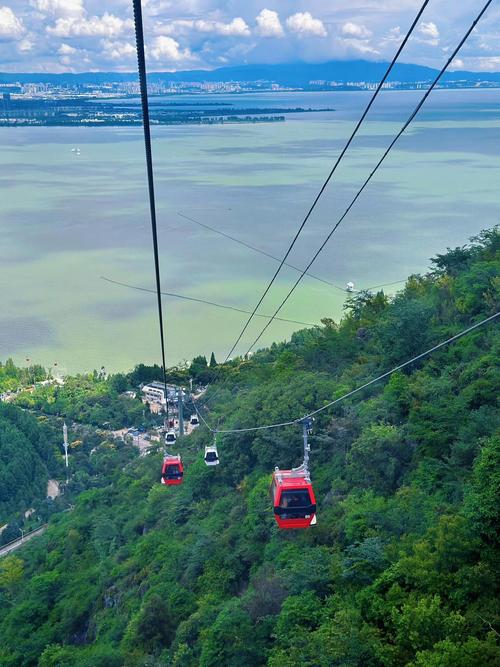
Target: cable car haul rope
pixel 292 493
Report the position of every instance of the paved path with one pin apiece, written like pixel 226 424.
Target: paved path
pixel 12 546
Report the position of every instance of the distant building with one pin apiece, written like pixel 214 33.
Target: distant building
pixel 154 393
pixel 129 394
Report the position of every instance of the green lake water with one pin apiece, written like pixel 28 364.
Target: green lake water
pixel 67 219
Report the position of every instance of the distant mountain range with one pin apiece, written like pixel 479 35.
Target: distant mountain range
pixel 293 75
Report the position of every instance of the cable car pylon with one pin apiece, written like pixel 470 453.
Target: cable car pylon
pixel 294 503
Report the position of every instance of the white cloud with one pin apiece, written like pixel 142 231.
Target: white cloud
pixel 488 64
pixel 430 32
pixel 304 24
pixel 106 25
pixel 10 26
pixel 25 45
pixel 355 30
pixel 118 50
pixel 65 50
pixel 173 27
pixel 60 8
pixel 209 33
pixel 394 36
pixel 360 46
pixel 269 24
pixel 236 28
pixel 458 63
pixel 166 49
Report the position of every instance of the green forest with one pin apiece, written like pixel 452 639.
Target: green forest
pixel 26 458
pixel 402 566
pixel 87 399
pixel 13 378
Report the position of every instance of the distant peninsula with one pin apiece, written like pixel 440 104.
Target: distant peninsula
pixel 90 112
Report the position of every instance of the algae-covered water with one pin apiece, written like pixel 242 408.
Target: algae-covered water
pixel 68 219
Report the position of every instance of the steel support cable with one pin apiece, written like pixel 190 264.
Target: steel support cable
pixel 200 415
pixel 368 289
pixel 220 389
pixel 374 170
pixel 259 250
pixel 291 422
pixel 332 171
pixel 204 301
pixel 141 64
pixel 277 259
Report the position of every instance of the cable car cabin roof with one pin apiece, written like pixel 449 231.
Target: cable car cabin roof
pixel 291 478
pixel 294 502
pixel 172 471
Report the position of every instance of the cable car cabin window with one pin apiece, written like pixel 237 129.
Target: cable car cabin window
pixel 211 456
pixel 295 504
pixel 172 472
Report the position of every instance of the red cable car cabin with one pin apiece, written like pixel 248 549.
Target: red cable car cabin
pixel 293 498
pixel 172 471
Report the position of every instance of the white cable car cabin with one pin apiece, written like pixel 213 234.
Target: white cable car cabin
pixel 211 457
pixel 170 438
pixel 194 421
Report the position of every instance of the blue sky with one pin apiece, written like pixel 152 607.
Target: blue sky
pixel 86 35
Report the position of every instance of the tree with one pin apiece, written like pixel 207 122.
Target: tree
pixel 11 573
pixel 227 641
pixel 199 370
pixel 378 458
pixel 153 627
pixel 404 330
pixel 213 362
pixel 482 494
pixel 473 651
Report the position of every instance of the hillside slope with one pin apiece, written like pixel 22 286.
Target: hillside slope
pixel 27 456
pixel 400 569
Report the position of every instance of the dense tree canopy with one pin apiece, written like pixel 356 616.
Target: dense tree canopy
pixel 27 455
pixel 88 399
